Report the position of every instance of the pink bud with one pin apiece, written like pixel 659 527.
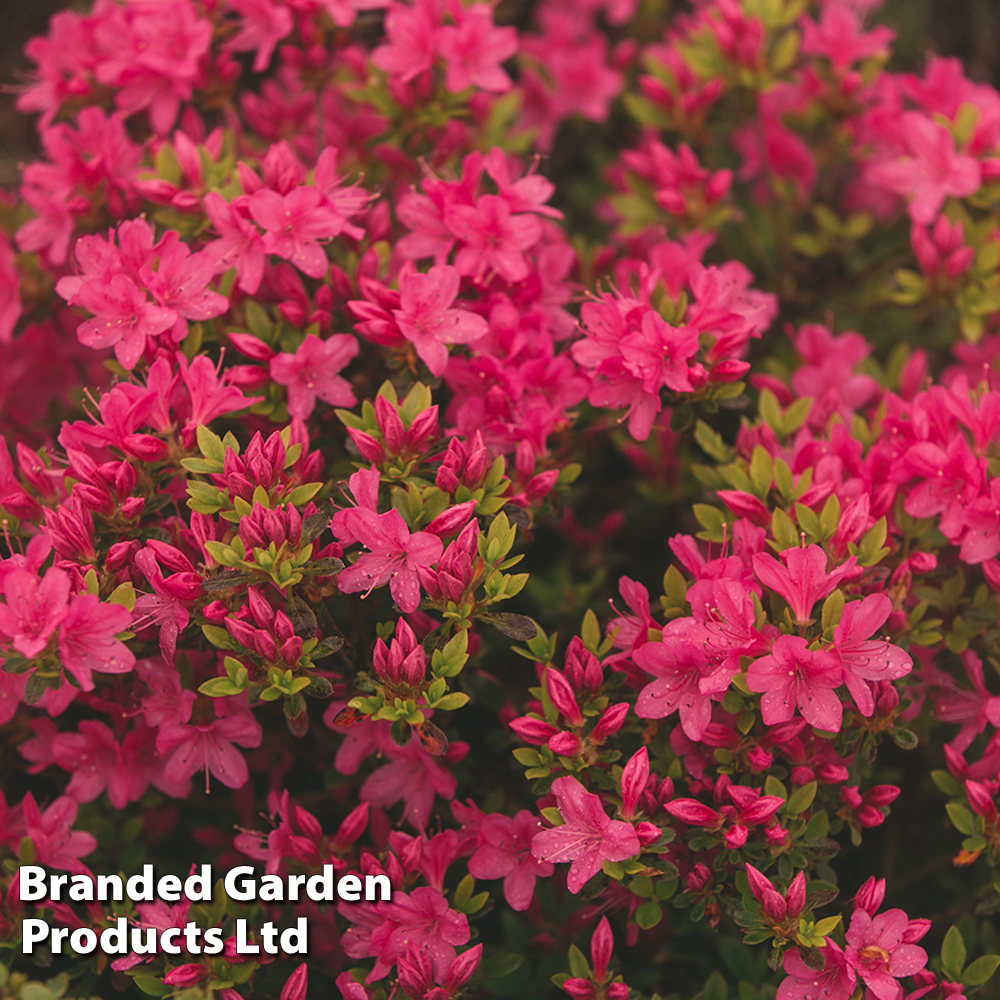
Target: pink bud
pixel 980 799
pixel 648 833
pixel 251 346
pixel 451 520
pixel 563 697
pixel 370 449
pixel 580 989
pixel 699 877
pixel 609 723
pixel 185 975
pixel 601 945
pixel 692 812
pixel 796 895
pixel 736 837
pixel 565 744
pixel 869 897
pixel 145 447
pixel 759 759
pixel 295 986
pixel 533 731
pixel 746 505
pixel 633 781
pixel 461 970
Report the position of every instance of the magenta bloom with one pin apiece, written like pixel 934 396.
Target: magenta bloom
pixel 314 370
pixel 587 836
pixel 55 843
pixel 796 676
pixel 504 851
pixel 474 49
pixel 495 239
pixel 294 224
pixel 801 577
pixel 932 171
pixel 685 678
pixel 425 316
pixel 34 608
pixel 240 245
pixel 209 746
pixel 865 658
pixel 394 558
pixel 835 981
pixel 94 757
pixel 123 318
pixel 419 922
pixel 878 954
pixel 87 639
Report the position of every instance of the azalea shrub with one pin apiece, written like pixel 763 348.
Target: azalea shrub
pixel 545 453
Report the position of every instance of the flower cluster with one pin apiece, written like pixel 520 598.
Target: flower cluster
pixel 333 417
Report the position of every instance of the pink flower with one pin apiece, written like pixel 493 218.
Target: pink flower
pixel 294 224
pixel 240 245
pixel 474 49
pixel 587 835
pixel 263 24
pixel 495 238
pixel 932 171
pixel 877 953
pixel 123 318
pixel 56 845
pixel 314 371
pixel 685 678
pixel 426 319
pixel 419 922
pixel 795 676
pixel 503 850
pixel 209 746
pixel 413 34
pixel 840 38
pixel 94 757
pixel 87 639
pixel 863 658
pixel 801 577
pixel 395 557
pixel 34 608
pixel 835 981
pixel 413 775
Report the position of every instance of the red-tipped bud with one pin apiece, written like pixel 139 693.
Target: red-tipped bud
pixel 980 799
pixel 692 812
pixel 869 897
pixel 565 744
pixel 609 723
pixel 635 775
pixel 533 731
pixel 795 898
pixel 648 833
pixel 295 985
pixel 601 945
pixel 185 975
pixel 562 696
pixel 460 971
pixel 451 520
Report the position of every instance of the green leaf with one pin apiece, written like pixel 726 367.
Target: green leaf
pixel 801 799
pixel 578 965
pixel 649 914
pixel 953 953
pixel 961 818
pixel 303 494
pixel 826 926
pixel 123 594
pixel 152 985
pixel 833 607
pixel 590 631
pixel 219 687
pixel 980 970
pixel 452 701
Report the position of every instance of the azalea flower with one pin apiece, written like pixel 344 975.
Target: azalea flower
pixel 587 835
